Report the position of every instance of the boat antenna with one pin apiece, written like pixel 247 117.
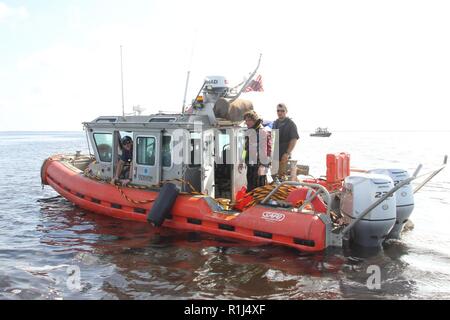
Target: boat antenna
pixel 121 78
pixel 189 72
pixel 185 91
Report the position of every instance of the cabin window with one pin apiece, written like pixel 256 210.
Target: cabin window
pixel 106 120
pixel 162 120
pixel 195 154
pixel 146 148
pixel 224 148
pixel 166 151
pixel 104 142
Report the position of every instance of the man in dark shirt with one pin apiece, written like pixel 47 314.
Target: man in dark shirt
pixel 123 169
pixel 287 138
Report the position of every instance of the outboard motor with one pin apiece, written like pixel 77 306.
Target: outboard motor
pixel 360 191
pixel 404 197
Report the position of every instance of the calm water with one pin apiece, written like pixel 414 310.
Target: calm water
pixel 41 241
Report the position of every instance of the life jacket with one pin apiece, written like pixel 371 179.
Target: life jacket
pixel 263 151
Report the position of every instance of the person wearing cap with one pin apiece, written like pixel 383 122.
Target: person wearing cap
pixel 287 139
pixel 123 167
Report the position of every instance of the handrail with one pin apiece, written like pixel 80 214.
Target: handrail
pixel 368 209
pixel 232 98
pixel 321 188
pixel 198 94
pixel 431 175
pixel 309 200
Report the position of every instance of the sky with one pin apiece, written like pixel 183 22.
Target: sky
pixel 345 65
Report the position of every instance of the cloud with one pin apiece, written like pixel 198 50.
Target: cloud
pixel 14 13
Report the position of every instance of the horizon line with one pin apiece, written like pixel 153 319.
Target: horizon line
pixel 303 130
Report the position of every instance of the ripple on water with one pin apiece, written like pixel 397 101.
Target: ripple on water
pixel 41 237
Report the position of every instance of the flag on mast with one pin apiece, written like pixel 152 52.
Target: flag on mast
pixel 255 85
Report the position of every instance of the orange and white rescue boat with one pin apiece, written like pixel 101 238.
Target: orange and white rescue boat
pixel 307 231
pixel 186 174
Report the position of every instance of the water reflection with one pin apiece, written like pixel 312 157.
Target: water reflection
pixel 120 259
pixel 130 260
pixel 360 266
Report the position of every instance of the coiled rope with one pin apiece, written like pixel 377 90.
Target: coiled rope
pixel 257 194
pixel 89 174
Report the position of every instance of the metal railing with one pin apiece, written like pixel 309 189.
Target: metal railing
pixel 320 190
pixel 392 191
pixel 432 175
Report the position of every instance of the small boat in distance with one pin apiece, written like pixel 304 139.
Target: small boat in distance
pixel 321 132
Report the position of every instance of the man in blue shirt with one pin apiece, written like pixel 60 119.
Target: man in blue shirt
pixel 123 168
pixel 287 139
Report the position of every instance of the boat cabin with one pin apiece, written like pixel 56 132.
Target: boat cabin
pixel 195 147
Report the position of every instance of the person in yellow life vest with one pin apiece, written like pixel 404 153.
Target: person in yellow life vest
pixel 258 148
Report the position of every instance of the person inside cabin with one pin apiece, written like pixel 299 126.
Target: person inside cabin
pixel 287 139
pixel 258 148
pixel 123 168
